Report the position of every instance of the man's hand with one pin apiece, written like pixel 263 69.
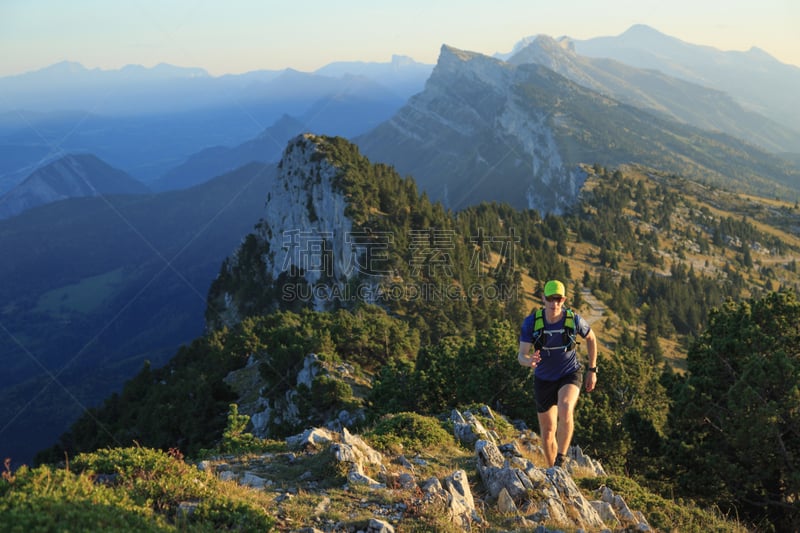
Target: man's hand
pixel 526 357
pixel 590 380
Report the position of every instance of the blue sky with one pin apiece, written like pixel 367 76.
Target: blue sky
pixel 241 35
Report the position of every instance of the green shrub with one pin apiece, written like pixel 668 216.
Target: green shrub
pixel 152 479
pixel 49 499
pixel 411 431
pixel 327 392
pixel 149 476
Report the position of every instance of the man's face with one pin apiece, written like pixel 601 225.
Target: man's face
pixel 554 303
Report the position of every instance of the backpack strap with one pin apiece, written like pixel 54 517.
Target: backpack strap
pixel 538 329
pixel 570 338
pixel 538 320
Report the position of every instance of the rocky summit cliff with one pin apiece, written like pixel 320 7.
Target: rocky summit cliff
pixel 302 237
pixel 471 135
pixel 339 230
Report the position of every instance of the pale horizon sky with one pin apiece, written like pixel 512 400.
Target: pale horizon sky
pixel 245 35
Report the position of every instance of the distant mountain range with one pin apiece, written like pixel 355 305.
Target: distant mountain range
pixel 147 121
pixel 344 115
pixel 171 126
pixel 218 160
pixel 670 99
pixel 165 89
pixel 755 79
pixel 666 96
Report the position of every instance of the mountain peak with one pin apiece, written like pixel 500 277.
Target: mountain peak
pixel 642 29
pixel 641 35
pixel 760 54
pixel 546 51
pixel 306 206
pixel 401 60
pixel 61 70
pixel 72 176
pixel 452 53
pixel 545 41
pixel 453 61
pixel 754 79
pixel 65 67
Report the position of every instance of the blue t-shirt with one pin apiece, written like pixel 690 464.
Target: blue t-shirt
pixel 556 360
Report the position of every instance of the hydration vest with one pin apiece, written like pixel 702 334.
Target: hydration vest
pixel 569 338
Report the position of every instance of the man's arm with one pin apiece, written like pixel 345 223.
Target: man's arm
pixel 525 357
pixel 591 348
pixel 590 380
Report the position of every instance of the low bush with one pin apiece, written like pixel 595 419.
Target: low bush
pixel 126 489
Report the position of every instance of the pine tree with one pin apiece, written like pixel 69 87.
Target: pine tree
pixel 735 423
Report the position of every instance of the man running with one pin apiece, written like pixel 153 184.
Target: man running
pixel 547 343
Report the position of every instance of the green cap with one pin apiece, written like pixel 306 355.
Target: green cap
pixel 554 287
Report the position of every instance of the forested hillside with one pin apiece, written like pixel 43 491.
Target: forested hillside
pixel 690 289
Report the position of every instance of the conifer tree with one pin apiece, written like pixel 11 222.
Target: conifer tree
pixel 735 423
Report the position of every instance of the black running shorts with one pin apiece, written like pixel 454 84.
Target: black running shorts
pixel 546 392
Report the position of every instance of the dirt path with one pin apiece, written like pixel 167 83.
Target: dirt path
pixel 592 309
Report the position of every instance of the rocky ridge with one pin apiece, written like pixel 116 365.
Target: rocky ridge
pixel 505 484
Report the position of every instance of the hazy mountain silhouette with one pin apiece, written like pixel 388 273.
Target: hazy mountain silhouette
pixel 72 176
pixel 345 116
pixel 758 81
pixel 147 121
pixel 667 96
pixel 214 161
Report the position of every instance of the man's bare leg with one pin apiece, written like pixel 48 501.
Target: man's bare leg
pixel 567 400
pixel 547 430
